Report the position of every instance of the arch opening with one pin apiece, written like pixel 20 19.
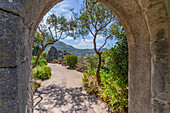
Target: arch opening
pixel 112 49
pixel 146 25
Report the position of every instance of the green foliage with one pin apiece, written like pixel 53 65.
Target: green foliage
pixel 96 17
pixel 90 82
pixel 35 85
pixel 41 62
pixel 114 74
pixel 98 20
pixel 44 54
pixel 54 61
pixel 33 60
pixel 36 50
pixel 92 62
pixel 56 28
pixel 82 65
pixel 111 92
pixel 71 60
pixel 41 72
pixel 115 61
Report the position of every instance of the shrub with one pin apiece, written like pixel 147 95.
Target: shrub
pixel 71 60
pixel 33 60
pixel 109 91
pixel 112 94
pixel 90 82
pixel 35 85
pixel 44 54
pixel 41 72
pixel 41 62
pixel 54 61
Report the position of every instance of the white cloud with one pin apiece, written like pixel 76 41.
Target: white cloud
pixel 83 44
pixel 68 38
pixel 100 38
pixel 87 40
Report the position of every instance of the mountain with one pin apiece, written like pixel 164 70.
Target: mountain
pixel 70 49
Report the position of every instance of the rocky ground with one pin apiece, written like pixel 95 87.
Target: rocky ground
pixel 63 93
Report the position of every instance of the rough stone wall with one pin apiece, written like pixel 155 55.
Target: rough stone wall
pixel 15 64
pixel 159 28
pixel 147 26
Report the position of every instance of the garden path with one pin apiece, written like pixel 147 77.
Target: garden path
pixel 63 93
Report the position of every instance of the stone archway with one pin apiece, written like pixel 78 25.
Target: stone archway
pixel 147 26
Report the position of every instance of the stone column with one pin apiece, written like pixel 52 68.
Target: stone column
pixel 15 61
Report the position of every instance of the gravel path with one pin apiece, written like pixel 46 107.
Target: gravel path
pixel 63 93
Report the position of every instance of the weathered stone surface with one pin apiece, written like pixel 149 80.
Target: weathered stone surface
pixel 13 40
pixel 15 89
pixel 13 6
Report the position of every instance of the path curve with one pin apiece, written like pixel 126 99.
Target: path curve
pixel 63 93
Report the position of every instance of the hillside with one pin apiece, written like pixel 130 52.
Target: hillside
pixel 70 49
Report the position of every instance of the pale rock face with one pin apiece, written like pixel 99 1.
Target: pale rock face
pixel 147 27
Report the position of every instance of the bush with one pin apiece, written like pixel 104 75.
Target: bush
pixel 35 85
pixel 112 94
pixel 33 60
pixel 109 91
pixel 90 82
pixel 71 60
pixel 42 62
pixel 44 54
pixel 54 61
pixel 41 72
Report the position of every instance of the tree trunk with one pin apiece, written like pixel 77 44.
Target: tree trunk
pixel 36 62
pixel 98 69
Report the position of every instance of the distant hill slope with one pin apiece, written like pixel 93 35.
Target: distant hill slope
pixel 70 49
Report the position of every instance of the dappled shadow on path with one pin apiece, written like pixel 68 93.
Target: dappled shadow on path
pixel 56 99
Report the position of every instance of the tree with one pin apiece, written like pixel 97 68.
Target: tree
pixel 56 28
pixel 96 19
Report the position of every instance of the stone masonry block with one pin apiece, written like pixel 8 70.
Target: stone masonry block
pixel 15 89
pixel 14 6
pixel 13 40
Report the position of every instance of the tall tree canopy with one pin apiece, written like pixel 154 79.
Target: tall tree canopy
pixel 55 29
pixel 98 20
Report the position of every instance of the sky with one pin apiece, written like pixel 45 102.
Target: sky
pixel 62 8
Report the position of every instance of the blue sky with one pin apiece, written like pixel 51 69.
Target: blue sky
pixel 62 8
